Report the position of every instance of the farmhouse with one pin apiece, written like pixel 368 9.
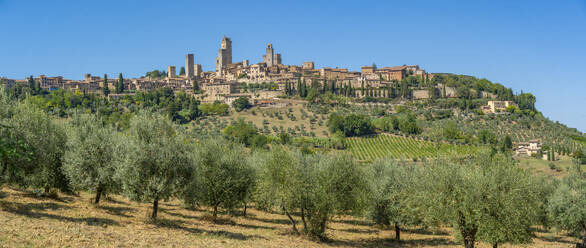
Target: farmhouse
pixel 528 148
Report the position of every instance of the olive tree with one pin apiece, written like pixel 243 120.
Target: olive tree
pixel 339 187
pixel 157 162
pixel 567 205
pixel 45 141
pixel 225 178
pixel 390 190
pixel 486 198
pixel 278 183
pixel 319 186
pixel 94 153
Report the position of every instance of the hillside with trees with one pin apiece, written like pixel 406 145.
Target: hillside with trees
pixel 148 149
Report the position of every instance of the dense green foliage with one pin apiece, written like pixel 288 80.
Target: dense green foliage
pixel 241 103
pixel 350 125
pixel 391 185
pixel 245 133
pixel 157 161
pixel 94 152
pixel 567 206
pixel 321 187
pixel 486 197
pixel 225 179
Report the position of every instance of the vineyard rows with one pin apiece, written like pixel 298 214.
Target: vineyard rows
pixel 380 146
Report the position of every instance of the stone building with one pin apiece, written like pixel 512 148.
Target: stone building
pixel 309 65
pixel 216 92
pixel 50 82
pixel 171 72
pixel 497 106
pixel 271 58
pixel 197 70
pixel 528 148
pixel 224 55
pixel 189 70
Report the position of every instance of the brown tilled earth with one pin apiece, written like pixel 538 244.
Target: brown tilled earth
pixel 72 221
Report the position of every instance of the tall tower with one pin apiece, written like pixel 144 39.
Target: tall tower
pixel 271 58
pixel 171 72
pixel 189 72
pixel 227 46
pixel 224 55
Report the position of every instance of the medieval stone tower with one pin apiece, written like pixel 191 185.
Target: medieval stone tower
pixel 270 58
pixel 224 55
pixel 189 65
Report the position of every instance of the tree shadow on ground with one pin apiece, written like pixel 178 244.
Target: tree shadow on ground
pixel 270 221
pixel 356 230
pixel 426 231
pixel 32 195
pixel 30 210
pixel 354 222
pixel 120 211
pixel 178 224
pixel 180 215
pixel 113 200
pixel 555 239
pixel 389 242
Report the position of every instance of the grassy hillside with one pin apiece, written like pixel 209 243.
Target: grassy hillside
pixel 72 221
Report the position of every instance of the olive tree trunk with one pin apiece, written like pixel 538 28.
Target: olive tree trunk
pixel 468 231
pixel 583 235
pixel 155 209
pixel 99 191
pixel 291 219
pixel 303 219
pixel 397 232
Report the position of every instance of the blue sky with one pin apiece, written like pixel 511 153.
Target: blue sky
pixel 533 46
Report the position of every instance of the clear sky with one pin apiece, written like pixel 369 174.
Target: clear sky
pixel 533 46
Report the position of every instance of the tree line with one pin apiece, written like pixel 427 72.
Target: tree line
pixel 485 197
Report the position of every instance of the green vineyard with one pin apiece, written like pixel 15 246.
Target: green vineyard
pixel 380 146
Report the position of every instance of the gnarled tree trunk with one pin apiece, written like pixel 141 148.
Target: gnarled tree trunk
pixel 397 232
pixel 155 209
pixel 583 235
pixel 303 219
pixel 468 231
pixel 291 219
pixel 99 191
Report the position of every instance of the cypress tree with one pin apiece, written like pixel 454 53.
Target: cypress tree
pixel 31 83
pixel 195 85
pixel 120 84
pixel 105 89
pixel 333 89
pixel 299 86
pixel 552 154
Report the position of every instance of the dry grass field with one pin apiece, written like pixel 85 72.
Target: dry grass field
pixel 72 221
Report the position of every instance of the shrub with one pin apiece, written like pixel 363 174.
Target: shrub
pixel 241 103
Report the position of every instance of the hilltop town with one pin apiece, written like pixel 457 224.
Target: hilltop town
pixel 283 138
pixel 223 84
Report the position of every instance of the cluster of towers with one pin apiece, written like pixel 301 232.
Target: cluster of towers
pixel 271 58
pixel 223 61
